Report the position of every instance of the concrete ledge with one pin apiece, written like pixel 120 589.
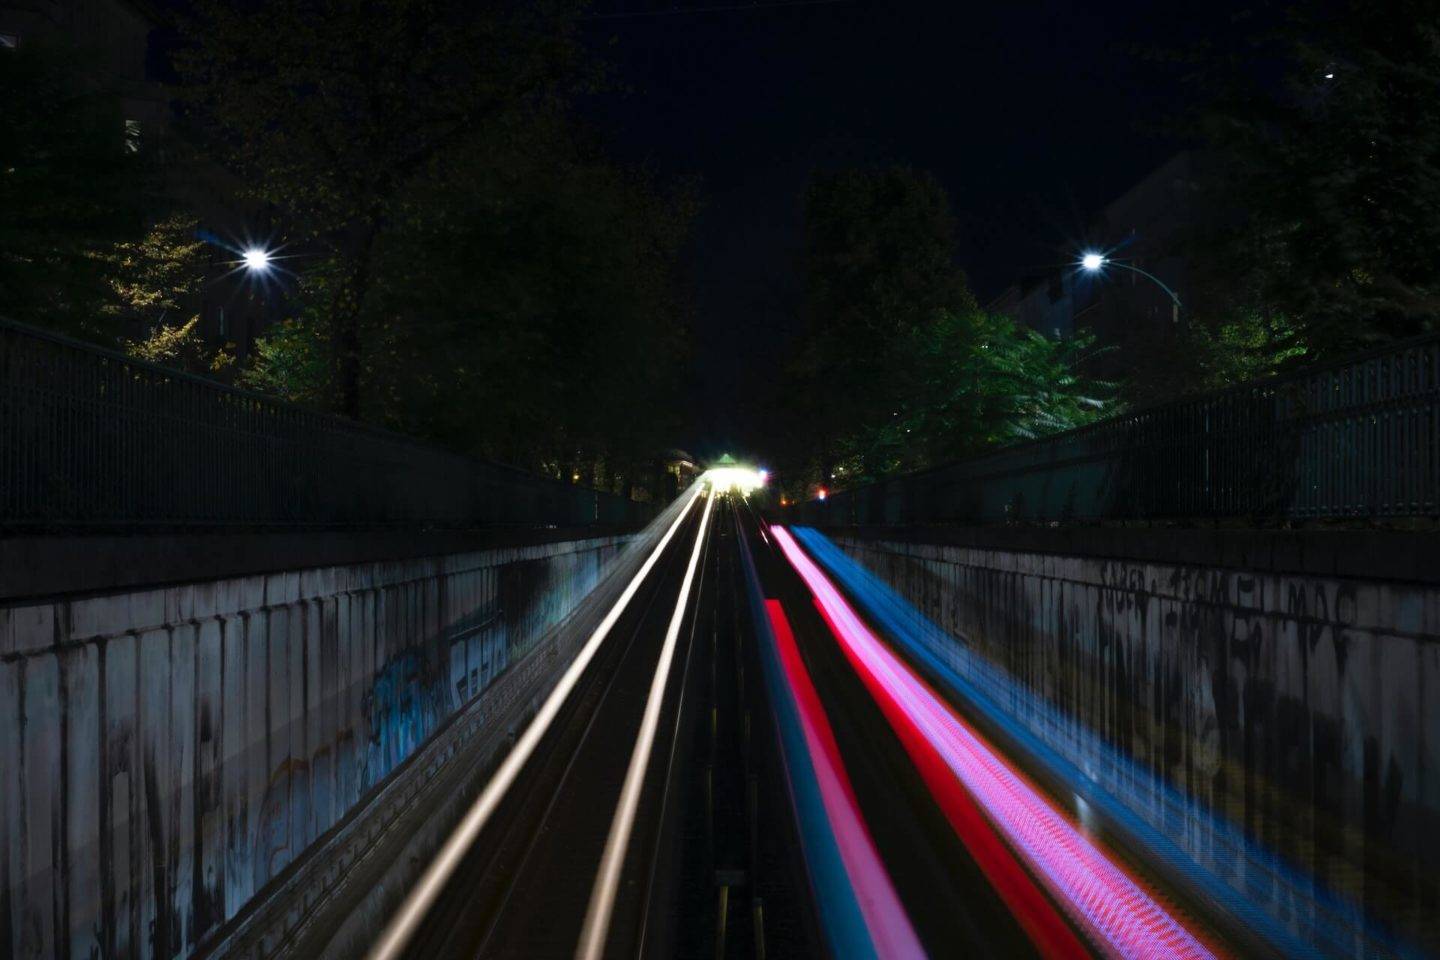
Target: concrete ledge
pixel 1391 555
pixel 52 566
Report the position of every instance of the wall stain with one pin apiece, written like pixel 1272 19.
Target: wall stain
pixel 271 763
pixel 1264 697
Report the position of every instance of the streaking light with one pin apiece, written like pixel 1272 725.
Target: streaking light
pixel 1100 898
pixel 817 784
pixel 743 479
pixel 880 906
pixel 406 920
pixel 594 931
pixel 1232 871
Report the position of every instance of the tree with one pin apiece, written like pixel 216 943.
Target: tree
pixel 878 264
pixel 181 346
pixel 159 275
pixel 81 248
pixel 1333 181
pixel 897 367
pixel 983 381
pixel 156 282
pixel 526 306
pixel 331 110
pixel 293 361
pixel 70 188
pixel 974 381
pixel 1249 345
pixel 542 322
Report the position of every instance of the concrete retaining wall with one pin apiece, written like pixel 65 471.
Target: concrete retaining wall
pixel 1304 708
pixel 167 752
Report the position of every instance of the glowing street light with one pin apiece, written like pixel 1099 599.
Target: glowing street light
pixel 1092 262
pixel 256 257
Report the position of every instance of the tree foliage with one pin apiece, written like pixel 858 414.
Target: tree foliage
pixel 160 274
pixel 330 111
pixel 1332 180
pixel 181 346
pixel 525 305
pixel 293 361
pixel 540 318
pixel 472 273
pixel 897 367
pixel 70 190
pixel 970 382
pixel 878 261
pixel 1248 345
pixel 980 380
pixel 156 282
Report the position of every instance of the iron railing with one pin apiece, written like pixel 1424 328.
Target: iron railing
pixel 1360 438
pixel 90 438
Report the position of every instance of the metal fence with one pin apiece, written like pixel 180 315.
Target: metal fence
pixel 1359 438
pixel 90 438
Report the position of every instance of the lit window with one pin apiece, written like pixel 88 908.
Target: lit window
pixel 132 136
pixel 9 41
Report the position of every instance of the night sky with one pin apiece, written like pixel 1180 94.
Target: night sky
pixel 1033 116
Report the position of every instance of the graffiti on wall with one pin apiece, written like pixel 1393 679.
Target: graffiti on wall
pixel 1294 707
pixel 178 748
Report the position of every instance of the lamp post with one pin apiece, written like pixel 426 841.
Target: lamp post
pixel 1095 262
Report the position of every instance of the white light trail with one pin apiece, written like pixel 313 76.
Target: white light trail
pixel 607 881
pixel 407 919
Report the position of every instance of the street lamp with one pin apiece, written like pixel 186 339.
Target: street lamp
pixel 1095 262
pixel 257 260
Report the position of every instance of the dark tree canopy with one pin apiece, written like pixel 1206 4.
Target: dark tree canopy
pixel 70 188
pixel 1334 179
pixel 533 313
pixel 470 272
pixel 330 111
pixel 878 262
pixel 897 367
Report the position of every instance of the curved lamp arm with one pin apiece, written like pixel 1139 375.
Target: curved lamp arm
pixel 1144 273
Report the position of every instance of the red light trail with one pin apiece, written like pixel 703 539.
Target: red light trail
pixel 880 907
pixel 1120 917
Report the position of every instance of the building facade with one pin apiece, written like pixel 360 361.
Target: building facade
pixel 112 37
